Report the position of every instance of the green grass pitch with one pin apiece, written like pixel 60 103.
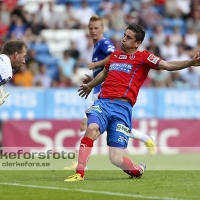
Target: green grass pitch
pixel 168 177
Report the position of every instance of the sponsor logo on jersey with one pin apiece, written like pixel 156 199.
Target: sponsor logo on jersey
pixel 115 56
pixel 132 57
pixel 121 67
pixel 1 58
pixel 123 129
pixel 123 57
pixel 152 58
pixel 97 108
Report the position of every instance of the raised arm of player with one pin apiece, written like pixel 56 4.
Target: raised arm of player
pixel 93 65
pixel 85 89
pixel 178 65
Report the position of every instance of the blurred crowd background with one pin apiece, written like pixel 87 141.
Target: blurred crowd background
pixel 59 46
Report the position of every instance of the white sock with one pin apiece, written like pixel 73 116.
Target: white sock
pixel 81 134
pixel 138 135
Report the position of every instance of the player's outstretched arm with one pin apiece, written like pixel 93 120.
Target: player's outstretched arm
pixel 178 65
pixel 85 89
pixel 93 65
pixel 3 95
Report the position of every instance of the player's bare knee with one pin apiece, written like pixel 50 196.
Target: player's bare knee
pixel 83 126
pixel 92 131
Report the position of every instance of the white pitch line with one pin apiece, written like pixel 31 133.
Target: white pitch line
pixel 90 191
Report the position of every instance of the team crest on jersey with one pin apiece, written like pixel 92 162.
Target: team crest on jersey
pixel 123 57
pixel 152 58
pixel 132 57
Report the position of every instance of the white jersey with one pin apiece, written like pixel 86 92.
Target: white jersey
pixel 5 69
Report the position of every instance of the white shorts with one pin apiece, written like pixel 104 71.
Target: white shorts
pixel 93 99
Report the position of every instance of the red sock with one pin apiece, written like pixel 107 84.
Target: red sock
pixel 130 168
pixel 84 153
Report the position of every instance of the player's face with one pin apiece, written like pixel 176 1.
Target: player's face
pixel 95 30
pixel 128 42
pixel 19 59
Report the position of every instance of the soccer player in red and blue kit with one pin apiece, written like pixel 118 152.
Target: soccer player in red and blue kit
pixel 103 47
pixel 122 78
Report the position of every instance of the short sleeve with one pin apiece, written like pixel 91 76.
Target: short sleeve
pixel 151 60
pixel 107 47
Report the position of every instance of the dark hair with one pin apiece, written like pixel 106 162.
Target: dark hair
pixel 138 30
pixel 13 46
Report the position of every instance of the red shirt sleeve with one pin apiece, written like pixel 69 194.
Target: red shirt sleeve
pixel 151 60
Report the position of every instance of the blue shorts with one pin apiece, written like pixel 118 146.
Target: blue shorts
pixel 112 115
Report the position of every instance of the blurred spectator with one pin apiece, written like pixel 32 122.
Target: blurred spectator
pixel 31 61
pixel 158 78
pixel 176 37
pixel 41 79
pixel 66 64
pixel 125 6
pixel 153 48
pixel 84 13
pixel 86 54
pixel 69 18
pixel 105 7
pixel 191 37
pixel 132 18
pixel 23 77
pixel 136 5
pixel 79 75
pixel 73 50
pixel 18 28
pixel 10 5
pixel 194 21
pixel 182 55
pixel 159 35
pixel 62 82
pixel 3 31
pixel 168 50
pixel 35 26
pixel 4 14
pixel 149 17
pixel 160 6
pixel 192 78
pixel 178 81
pixel 171 9
pixel 184 6
pixel 117 18
pixel 41 16
pixel 52 18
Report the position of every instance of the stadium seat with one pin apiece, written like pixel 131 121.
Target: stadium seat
pixel 40 48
